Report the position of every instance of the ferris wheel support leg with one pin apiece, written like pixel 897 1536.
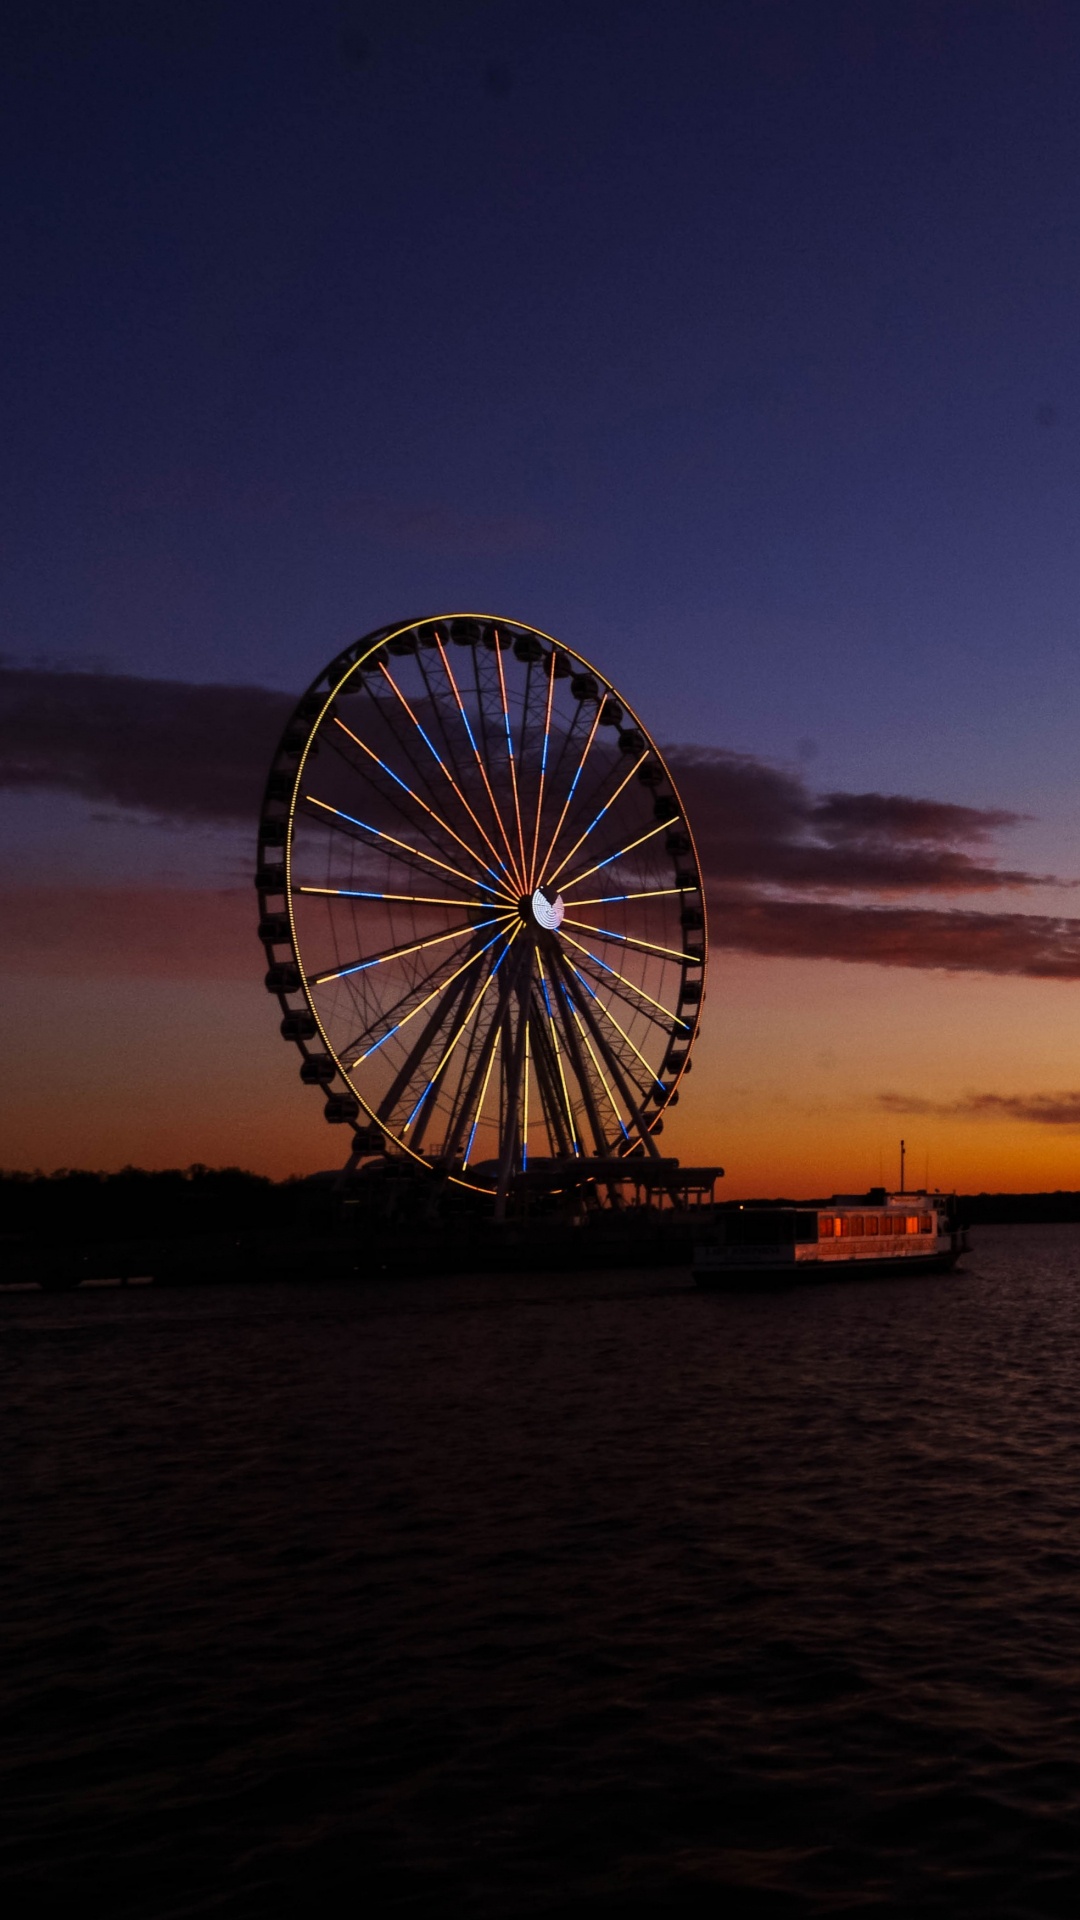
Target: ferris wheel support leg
pixel 618 1074
pixel 523 983
pixel 458 1119
pixel 577 1061
pixel 445 1007
pixel 556 1119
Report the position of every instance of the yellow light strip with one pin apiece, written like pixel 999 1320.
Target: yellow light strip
pixel 630 940
pixel 653 1076
pixel 483 1097
pixel 410 899
pixel 525 1087
pixel 439 761
pixel 543 771
pixel 634 988
pixel 396 953
pixel 487 983
pixel 573 786
pixel 660 827
pixel 420 1005
pixel 510 756
pixel 469 879
pixel 583 1030
pixel 646 893
pixel 430 811
pixel 558 1057
pixel 449 671
pixel 552 878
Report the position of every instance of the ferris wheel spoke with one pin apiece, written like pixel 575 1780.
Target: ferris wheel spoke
pixel 454 992
pixel 440 698
pixel 641 893
pixel 568 745
pixel 338 815
pixel 595 822
pixel 480 1102
pixel 425 736
pixel 391 716
pixel 436 702
pixel 573 785
pixel 567 1020
pixel 449 671
pixel 661 826
pixel 404 899
pixel 512 1073
pixel 339 739
pixel 510 757
pixel 543 770
pixel 387 1013
pixel 620 1030
pixel 430 811
pixel 622 1078
pixel 575 1137
pixel 446 1056
pixel 600 1074
pixel 632 940
pixel 631 984
pixel 552 1112
pixel 649 1014
pixel 487 1050
pixel 399 953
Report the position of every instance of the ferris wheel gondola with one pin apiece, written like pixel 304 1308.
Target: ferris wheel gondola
pixel 481 903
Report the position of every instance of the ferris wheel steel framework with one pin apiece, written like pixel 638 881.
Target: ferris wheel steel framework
pixel 446 748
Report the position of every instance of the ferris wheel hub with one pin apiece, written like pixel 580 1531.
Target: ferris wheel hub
pixel 545 909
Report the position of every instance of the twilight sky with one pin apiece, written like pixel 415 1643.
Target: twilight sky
pixel 736 344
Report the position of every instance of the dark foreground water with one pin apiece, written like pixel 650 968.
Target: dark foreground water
pixel 519 1597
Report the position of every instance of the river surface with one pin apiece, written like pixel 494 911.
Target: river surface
pixel 514 1597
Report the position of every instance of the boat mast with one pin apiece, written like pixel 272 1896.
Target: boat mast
pixel 903 1189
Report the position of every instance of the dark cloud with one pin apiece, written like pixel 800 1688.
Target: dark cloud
pixel 156 746
pixel 192 753
pixel 1042 1109
pixel 758 825
pixel 957 941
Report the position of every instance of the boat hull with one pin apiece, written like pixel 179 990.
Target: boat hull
pixel 765 1277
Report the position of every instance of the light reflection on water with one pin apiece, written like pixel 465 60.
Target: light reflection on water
pixel 488 1596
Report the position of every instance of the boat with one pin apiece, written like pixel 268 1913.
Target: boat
pixel 848 1237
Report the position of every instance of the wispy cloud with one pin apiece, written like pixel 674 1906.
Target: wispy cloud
pixel 149 933
pixel 1041 1109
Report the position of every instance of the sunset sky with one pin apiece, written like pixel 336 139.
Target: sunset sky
pixel 738 345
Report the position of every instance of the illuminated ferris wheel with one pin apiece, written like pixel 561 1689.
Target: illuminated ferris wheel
pixel 481 904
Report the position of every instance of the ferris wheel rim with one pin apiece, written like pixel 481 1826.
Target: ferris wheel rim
pixel 311 712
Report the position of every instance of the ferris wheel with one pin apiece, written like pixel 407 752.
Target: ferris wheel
pixel 481 904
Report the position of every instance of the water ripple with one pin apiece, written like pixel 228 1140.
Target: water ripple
pixel 488 1596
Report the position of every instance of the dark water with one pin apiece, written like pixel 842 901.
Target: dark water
pixel 486 1598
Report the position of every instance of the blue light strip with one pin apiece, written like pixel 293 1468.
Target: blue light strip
pixel 434 1076
pixel 656 1078
pixel 401 1023
pixel 611 1103
pixel 382 960
pixel 365 827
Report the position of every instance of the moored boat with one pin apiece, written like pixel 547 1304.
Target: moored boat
pixel 850 1236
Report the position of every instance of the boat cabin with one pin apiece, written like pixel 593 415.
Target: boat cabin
pixel 872 1227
